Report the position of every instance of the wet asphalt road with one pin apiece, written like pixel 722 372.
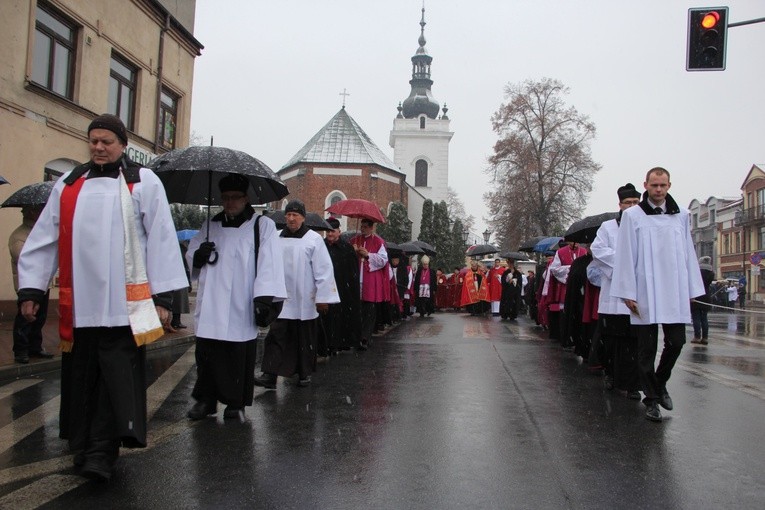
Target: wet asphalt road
pixel 449 411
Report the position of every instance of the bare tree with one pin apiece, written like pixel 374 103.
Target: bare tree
pixel 542 166
pixel 456 209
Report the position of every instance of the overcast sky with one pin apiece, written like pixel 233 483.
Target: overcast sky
pixel 271 73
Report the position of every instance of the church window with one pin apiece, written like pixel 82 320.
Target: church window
pixel 421 172
pixel 422 122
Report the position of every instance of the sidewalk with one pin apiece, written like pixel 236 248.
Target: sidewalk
pixel 9 369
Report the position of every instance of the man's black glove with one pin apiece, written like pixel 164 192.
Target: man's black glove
pixel 202 255
pixel 266 311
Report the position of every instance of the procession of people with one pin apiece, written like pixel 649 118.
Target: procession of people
pixel 310 297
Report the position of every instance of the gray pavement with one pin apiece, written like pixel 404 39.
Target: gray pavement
pixel 449 411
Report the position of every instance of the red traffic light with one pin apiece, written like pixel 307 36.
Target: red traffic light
pixel 710 20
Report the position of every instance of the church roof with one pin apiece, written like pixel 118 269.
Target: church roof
pixel 342 140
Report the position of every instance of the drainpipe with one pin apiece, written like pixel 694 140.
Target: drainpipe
pixel 160 60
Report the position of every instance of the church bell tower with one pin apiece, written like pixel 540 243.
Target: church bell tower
pixel 420 136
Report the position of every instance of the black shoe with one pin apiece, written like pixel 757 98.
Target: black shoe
pixel 201 410
pixel 665 401
pixel 97 467
pixel 608 382
pixel 178 326
pixel 304 381
pixel 652 412
pixel 21 358
pixel 233 413
pixel 41 354
pixel 267 381
pixel 633 395
pixel 363 346
pixel 79 459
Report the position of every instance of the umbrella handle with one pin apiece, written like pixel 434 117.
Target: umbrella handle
pixel 213 258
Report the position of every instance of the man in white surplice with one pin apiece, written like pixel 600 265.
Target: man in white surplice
pixel 656 274
pixel 236 293
pixel 290 347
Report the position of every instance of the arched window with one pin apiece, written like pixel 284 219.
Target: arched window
pixel 421 173
pixel 422 122
pixel 332 198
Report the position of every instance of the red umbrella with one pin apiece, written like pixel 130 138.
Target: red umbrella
pixel 357 208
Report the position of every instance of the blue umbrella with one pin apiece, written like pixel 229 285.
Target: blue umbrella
pixel 547 244
pixel 185 235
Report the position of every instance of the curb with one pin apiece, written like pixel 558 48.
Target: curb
pixel 18 370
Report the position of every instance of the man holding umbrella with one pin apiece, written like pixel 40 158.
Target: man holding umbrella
pixel 116 252
pixel 240 288
pixel 373 258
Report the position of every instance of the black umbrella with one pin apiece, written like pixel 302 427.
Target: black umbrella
pixel 348 235
pixel 312 221
pixel 411 249
pixel 427 248
pixel 528 244
pixel 3 180
pixel 584 230
pixel 33 194
pixel 514 255
pixel 481 249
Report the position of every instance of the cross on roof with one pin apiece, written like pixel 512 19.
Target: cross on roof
pixel 344 94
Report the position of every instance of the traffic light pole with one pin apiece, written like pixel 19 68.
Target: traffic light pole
pixel 747 22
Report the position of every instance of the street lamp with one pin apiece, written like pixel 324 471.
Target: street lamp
pixel 486 236
pixel 465 234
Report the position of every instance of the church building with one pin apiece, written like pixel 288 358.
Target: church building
pixel 341 161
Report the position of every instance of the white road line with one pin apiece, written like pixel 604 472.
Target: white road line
pixel 54 485
pixel 726 380
pixel 40 492
pixel 166 383
pixel 20 428
pixel 16 386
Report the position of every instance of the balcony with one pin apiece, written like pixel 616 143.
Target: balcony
pixel 750 216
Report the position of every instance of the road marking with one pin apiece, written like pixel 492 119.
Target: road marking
pixel 16 386
pixel 155 396
pixel 20 428
pixel 723 379
pixel 40 492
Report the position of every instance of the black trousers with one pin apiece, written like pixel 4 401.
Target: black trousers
pixel 103 390
pixel 620 351
pixel 654 380
pixel 27 336
pixel 290 348
pixel 368 318
pixel 225 372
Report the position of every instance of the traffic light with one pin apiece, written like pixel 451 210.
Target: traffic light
pixel 707 31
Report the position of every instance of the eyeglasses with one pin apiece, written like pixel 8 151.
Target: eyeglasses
pixel 231 198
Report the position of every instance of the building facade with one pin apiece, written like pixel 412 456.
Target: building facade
pixel 420 137
pixel 752 222
pixel 706 222
pixel 66 61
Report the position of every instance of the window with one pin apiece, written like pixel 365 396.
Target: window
pixel 332 201
pixel 167 119
pixel 761 197
pixel 122 85
pixel 737 241
pixel 762 238
pixel 421 173
pixel 422 122
pixel 712 217
pixel 54 51
pixel 726 244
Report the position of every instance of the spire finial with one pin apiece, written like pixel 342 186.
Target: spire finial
pixel 422 27
pixel 344 94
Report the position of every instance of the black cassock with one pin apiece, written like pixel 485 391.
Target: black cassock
pixel 510 302
pixel 575 334
pixel 341 326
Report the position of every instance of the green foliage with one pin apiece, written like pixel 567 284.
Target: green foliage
pixel 426 225
pixel 398 228
pixel 190 217
pixel 441 234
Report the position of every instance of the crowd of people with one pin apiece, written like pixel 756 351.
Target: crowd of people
pixel 108 231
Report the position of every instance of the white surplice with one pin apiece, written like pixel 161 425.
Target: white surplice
pixel 655 264
pixel 308 274
pixel 603 250
pixel 224 307
pixel 98 265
